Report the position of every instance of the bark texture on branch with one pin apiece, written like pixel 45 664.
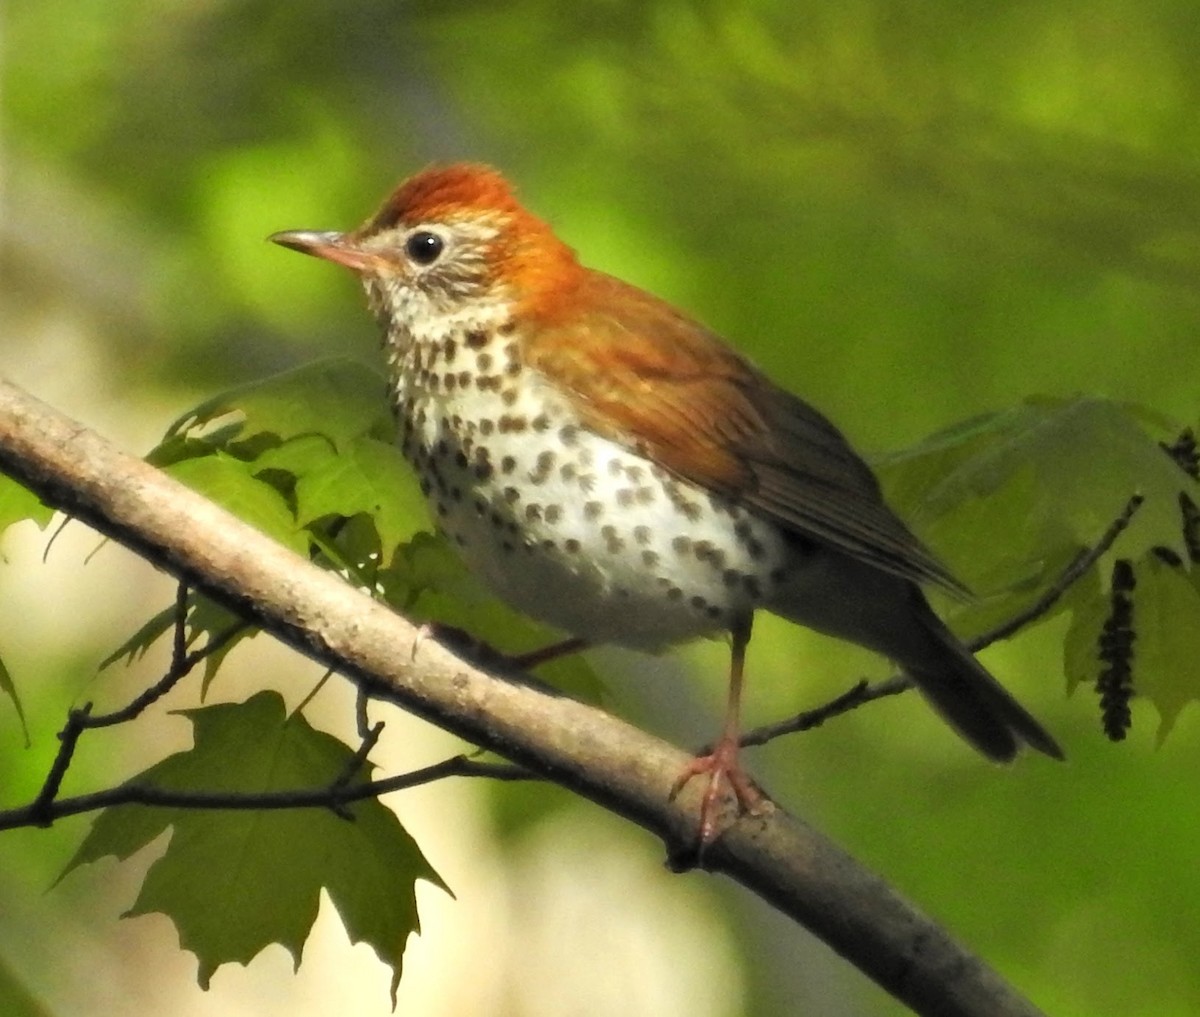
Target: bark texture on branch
pixel 787 862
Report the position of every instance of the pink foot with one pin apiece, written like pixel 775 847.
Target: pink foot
pixel 722 768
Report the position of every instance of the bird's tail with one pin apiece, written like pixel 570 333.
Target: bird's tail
pixel 976 705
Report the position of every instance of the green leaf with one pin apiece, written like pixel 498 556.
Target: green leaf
pixel 205 617
pixel 297 456
pixel 338 398
pixel 1009 498
pixel 10 690
pixel 371 477
pixel 1166 619
pixel 178 447
pixel 135 647
pixel 235 881
pixel 230 483
pixel 18 502
pixel 1166 644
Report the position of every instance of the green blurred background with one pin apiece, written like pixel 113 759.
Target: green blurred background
pixel 907 213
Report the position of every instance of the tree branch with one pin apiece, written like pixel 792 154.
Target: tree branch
pixel 779 857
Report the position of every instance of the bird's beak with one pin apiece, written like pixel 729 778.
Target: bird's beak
pixel 340 248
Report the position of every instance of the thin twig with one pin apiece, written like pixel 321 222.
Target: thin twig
pixel 355 764
pixel 82 719
pixel 179 670
pixel 333 796
pixel 361 720
pixel 40 810
pixel 1069 576
pixel 179 642
pixel 864 692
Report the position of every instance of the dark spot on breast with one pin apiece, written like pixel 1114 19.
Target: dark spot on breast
pixel 553 513
pixel 483 363
pixel 513 424
pixel 642 534
pixel 593 510
pixel 477 339
pixel 681 545
pixel 571 545
pixel 507 465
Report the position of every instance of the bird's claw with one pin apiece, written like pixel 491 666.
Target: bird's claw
pixel 721 766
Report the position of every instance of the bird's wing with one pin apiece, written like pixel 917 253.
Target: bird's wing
pixel 644 375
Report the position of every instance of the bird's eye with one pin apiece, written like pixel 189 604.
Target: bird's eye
pixel 423 247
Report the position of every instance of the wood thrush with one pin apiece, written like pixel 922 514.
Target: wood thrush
pixel 613 468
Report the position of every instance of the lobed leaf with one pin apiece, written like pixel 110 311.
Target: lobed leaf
pixel 235 881
pixel 1015 495
pixel 338 398
pixel 230 483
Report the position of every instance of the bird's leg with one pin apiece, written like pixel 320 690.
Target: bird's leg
pixel 721 764
pixel 528 661
pixel 464 642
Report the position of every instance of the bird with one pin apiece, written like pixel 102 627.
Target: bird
pixel 610 466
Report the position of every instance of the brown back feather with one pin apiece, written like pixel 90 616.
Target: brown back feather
pixel 659 383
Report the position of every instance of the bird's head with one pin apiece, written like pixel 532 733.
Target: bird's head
pixel 450 242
